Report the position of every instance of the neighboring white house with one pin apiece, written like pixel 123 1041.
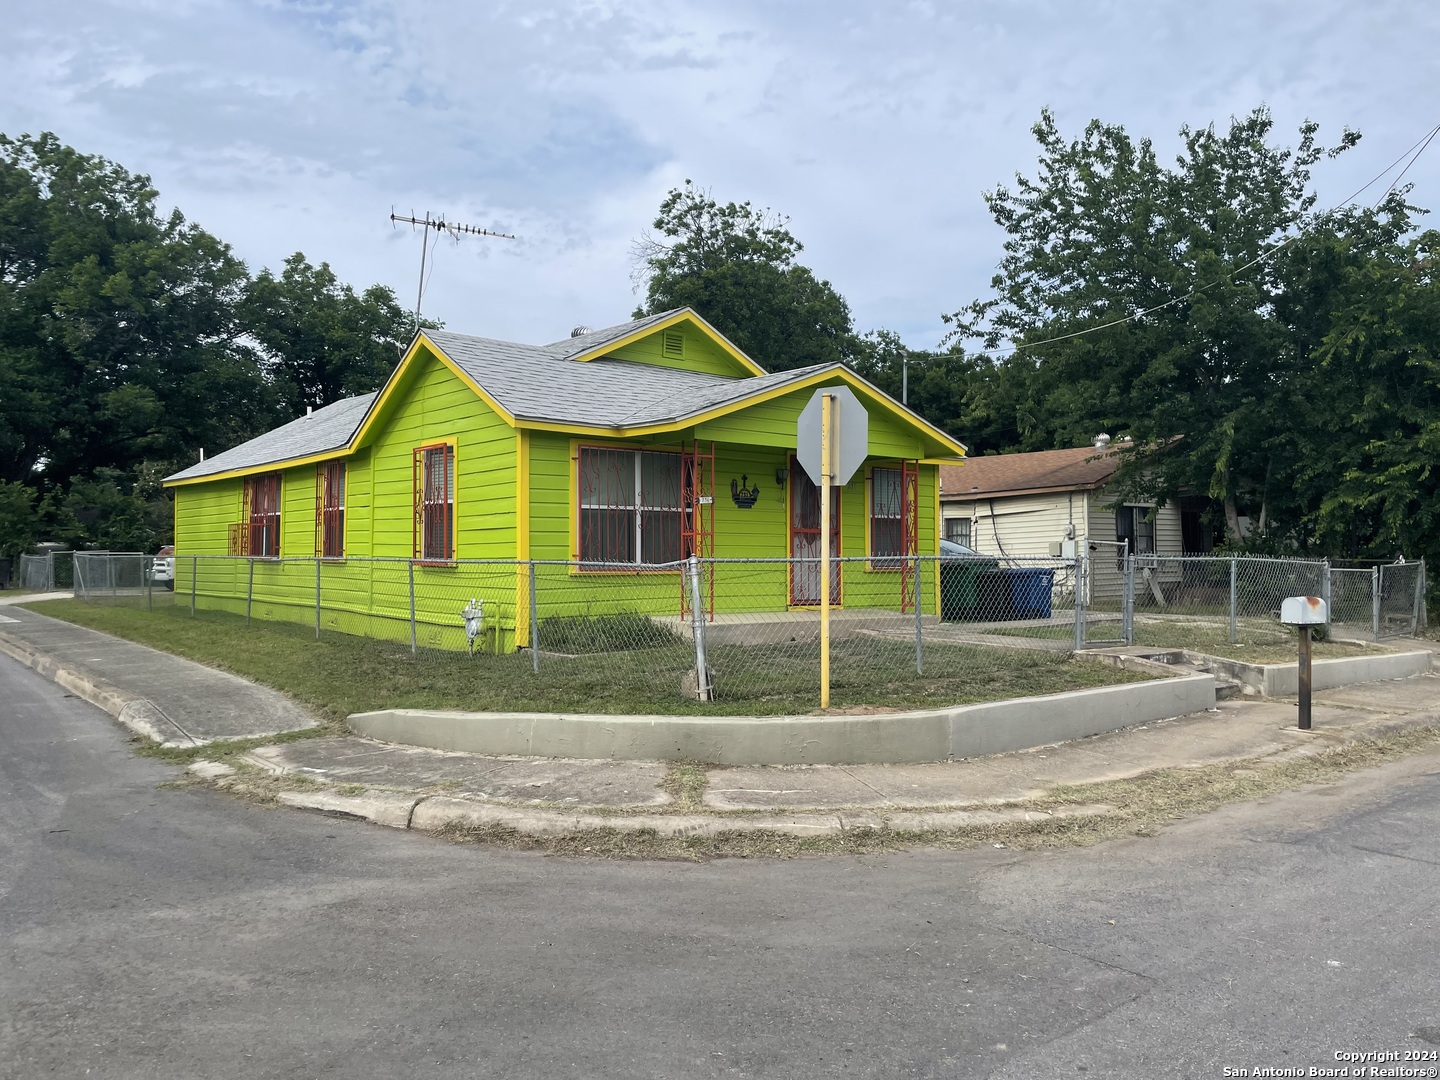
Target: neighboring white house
pixel 1022 504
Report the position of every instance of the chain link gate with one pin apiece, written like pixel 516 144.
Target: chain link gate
pixel 1106 595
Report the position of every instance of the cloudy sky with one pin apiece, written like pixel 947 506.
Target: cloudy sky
pixel 285 126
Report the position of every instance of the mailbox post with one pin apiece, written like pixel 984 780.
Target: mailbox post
pixel 1303 612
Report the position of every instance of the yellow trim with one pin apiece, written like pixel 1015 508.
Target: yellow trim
pixel 344 517
pixel 759 398
pixel 844 375
pixel 870 559
pixel 378 405
pixel 522 537
pixel 522 494
pixel 687 315
pixel 452 441
pixel 256 470
pixel 938 534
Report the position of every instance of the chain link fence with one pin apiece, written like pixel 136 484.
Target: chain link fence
pixel 747 630
pixel 47 572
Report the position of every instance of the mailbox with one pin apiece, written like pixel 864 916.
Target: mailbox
pixel 1303 611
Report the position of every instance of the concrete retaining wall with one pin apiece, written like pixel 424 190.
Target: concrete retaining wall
pixel 931 735
pixel 1283 680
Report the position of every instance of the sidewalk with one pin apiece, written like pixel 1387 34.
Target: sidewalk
pixel 431 790
pixel 175 702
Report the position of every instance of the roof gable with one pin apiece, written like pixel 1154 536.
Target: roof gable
pixel 575 385
pixel 678 339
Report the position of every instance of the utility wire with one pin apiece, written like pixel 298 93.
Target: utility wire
pixel 1423 142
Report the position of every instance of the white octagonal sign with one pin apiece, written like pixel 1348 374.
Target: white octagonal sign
pixel 850 440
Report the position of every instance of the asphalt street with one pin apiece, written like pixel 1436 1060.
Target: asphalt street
pixel 153 932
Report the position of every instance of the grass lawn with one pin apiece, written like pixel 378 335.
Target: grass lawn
pixel 339 674
pixel 1267 644
pixel 1257 644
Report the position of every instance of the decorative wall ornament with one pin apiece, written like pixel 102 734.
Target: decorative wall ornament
pixel 744 496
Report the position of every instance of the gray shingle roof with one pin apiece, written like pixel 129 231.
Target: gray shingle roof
pixel 325 429
pixel 531 382
pixel 534 382
pixel 595 339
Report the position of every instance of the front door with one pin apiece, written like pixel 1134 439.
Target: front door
pixel 805 539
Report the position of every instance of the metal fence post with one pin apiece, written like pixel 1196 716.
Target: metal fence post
pixel 697 624
pixel 919 613
pixel 1234 599
pixel 194 575
pixel 1420 587
pixel 1325 590
pixel 534 624
pixel 1419 598
pixel 317 598
pixel 411 566
pixel 1080 602
pixel 1127 603
pixel 147 567
pixel 1377 580
pixel 249 592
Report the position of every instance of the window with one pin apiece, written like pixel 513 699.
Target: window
pixel 1135 527
pixel 262 502
pixel 957 530
pixel 887 512
pixel 892 509
pixel 631 510
pixel 433 470
pixel 330 510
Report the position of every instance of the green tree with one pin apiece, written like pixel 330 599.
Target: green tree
pixel 119 342
pixel 1103 232
pixel 319 339
pixel 1365 442
pixel 18 519
pixel 735 265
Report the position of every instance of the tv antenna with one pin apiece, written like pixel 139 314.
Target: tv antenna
pixel 426 225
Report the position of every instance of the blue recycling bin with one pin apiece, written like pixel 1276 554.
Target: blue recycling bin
pixel 1030 590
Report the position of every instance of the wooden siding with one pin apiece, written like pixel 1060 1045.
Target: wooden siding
pixel 772 423
pixel 1167 522
pixel 436 407
pixel 757 532
pixel 432 405
pixel 1020 525
pixel 700 353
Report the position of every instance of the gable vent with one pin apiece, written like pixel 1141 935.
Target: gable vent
pixel 673 344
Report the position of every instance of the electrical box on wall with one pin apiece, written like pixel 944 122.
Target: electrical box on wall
pixel 1062 549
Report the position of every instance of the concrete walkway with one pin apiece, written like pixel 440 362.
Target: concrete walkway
pixel 173 701
pixel 409 787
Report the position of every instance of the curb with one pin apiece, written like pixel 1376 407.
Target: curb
pixel 913 736
pixel 139 714
pixel 437 813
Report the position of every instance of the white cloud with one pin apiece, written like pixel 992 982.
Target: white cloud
pixel 285 126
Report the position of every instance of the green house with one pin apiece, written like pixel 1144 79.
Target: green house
pixel 604 460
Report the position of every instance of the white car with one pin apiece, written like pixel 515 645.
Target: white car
pixel 162 567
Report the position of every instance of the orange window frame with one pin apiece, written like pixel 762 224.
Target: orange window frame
pixel 434 495
pixel 330 510
pixel 262 516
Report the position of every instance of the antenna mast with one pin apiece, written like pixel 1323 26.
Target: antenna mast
pixel 453 229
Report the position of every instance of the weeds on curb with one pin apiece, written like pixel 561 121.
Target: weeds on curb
pixel 1142 806
pixel 685 783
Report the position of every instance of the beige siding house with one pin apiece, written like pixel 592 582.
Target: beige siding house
pixel 1019 505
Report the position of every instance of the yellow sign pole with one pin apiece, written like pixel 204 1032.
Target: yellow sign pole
pixel 827 478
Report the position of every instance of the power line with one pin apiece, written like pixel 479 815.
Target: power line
pixel 1423 142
